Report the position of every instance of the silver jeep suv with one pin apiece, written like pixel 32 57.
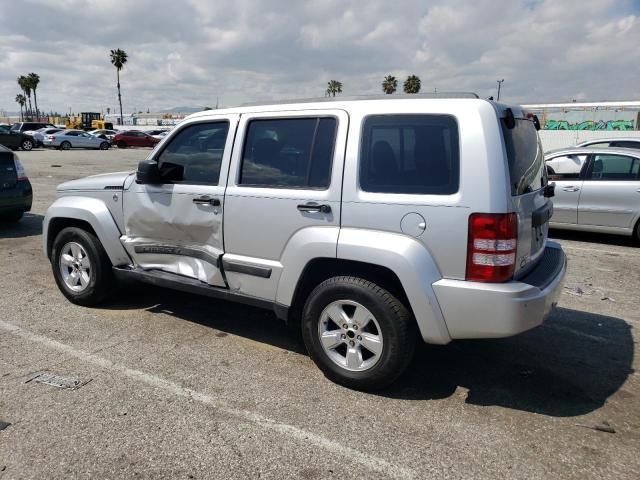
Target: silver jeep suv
pixel 365 223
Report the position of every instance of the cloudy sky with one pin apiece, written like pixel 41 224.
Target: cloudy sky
pixel 188 52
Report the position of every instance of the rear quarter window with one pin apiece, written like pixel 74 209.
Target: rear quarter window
pixel 525 157
pixel 410 154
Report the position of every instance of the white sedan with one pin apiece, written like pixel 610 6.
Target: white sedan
pixel 68 139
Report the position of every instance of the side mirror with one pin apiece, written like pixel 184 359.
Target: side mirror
pixel 148 172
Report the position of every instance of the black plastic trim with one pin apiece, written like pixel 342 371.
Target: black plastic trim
pixel 190 285
pixel 176 250
pixel 548 268
pixel 262 272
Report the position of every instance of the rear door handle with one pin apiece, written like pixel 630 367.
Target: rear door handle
pixel 313 207
pixel 207 200
pixel 570 189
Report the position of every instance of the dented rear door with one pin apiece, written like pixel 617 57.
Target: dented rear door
pixel 177 227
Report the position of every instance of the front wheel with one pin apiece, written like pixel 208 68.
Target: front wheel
pixel 104 146
pixel 65 145
pixel 27 145
pixel 121 144
pixel 357 333
pixel 81 267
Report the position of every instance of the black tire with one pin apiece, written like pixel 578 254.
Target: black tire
pixel 397 327
pixel 101 279
pixel 104 146
pixel 65 145
pixel 12 217
pixel 636 233
pixel 26 145
pixel 122 144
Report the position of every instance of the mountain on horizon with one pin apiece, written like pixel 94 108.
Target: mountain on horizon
pixel 183 110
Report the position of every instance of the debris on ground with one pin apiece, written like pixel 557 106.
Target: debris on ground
pixel 602 427
pixel 58 381
pixel 4 424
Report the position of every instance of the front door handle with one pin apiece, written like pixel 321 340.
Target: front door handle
pixel 570 188
pixel 312 207
pixel 207 200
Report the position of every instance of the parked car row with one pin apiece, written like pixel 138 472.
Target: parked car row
pixel 16 137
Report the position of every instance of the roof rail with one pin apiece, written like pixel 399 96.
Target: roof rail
pixel 349 98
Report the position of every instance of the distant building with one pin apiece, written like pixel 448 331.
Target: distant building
pixel 588 115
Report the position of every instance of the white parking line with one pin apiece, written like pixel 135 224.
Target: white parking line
pixel 368 461
pixel 597 250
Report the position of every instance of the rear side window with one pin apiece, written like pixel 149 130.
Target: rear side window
pixel 614 167
pixel 289 153
pixel 624 144
pixel 414 154
pixel 525 157
pixel 198 149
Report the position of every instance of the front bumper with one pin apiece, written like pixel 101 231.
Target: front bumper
pixel 493 310
pixel 18 198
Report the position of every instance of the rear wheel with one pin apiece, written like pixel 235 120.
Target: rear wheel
pixel 27 145
pixel 357 333
pixel 65 145
pixel 104 146
pixel 636 233
pixel 81 267
pixel 121 144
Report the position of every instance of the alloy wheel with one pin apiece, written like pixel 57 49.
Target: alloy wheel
pixel 350 335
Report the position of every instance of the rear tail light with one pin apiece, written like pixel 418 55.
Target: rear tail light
pixel 491 251
pixel 20 171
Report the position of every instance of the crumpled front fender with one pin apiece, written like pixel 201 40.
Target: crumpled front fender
pixel 96 214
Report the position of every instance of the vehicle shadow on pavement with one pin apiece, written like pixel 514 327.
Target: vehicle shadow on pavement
pixel 568 366
pixel 590 237
pixel 228 317
pixel 28 226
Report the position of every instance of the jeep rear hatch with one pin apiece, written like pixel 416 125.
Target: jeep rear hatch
pixel 528 180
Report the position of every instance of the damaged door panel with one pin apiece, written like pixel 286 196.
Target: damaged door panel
pixel 175 225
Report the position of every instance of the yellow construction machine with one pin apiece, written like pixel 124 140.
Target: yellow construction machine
pixel 87 121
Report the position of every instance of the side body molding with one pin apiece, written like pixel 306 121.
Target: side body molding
pixel 413 265
pixel 94 212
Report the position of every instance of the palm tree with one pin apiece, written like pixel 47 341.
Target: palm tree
pixel 412 84
pixel 118 59
pixel 333 87
pixel 21 100
pixel 25 85
pixel 389 84
pixel 34 80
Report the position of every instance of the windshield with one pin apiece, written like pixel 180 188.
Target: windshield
pixel 525 156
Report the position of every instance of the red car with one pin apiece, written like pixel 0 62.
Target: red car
pixel 134 138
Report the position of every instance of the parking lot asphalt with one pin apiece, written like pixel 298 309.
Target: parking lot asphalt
pixel 178 386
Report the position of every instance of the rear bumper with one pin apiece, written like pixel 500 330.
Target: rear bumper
pixel 493 310
pixel 18 198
